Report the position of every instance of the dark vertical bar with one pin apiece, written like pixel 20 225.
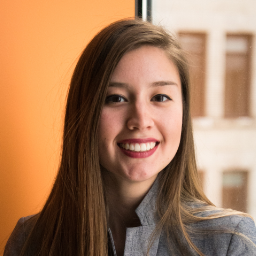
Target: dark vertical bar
pixel 149 10
pixel 138 8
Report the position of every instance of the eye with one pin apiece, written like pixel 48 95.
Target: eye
pixel 115 99
pixel 160 98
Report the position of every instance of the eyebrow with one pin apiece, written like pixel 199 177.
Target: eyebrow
pixel 163 83
pixel 120 85
pixel 154 84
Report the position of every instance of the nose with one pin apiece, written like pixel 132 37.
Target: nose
pixel 140 117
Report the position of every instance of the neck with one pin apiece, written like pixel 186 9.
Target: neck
pixel 124 196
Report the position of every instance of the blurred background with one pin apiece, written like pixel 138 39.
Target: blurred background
pixel 40 44
pixel 219 39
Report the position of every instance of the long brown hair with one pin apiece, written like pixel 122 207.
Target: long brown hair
pixel 74 218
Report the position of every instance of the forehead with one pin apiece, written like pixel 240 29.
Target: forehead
pixel 146 64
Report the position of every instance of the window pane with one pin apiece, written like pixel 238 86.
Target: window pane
pixel 237 82
pixel 194 45
pixel 236 44
pixel 234 190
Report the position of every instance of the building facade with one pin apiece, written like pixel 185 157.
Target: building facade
pixel 219 40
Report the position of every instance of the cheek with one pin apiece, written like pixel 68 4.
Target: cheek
pixel 104 131
pixel 102 126
pixel 172 127
pixel 108 128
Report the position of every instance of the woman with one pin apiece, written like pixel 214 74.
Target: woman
pixel 127 182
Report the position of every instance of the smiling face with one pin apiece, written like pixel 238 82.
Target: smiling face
pixel 141 121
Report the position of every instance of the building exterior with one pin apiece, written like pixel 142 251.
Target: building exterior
pixel 219 39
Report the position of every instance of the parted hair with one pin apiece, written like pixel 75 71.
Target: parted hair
pixel 74 219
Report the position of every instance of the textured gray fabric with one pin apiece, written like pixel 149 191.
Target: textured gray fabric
pixel 19 235
pixel 242 240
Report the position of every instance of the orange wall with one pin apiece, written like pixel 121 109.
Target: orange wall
pixel 40 42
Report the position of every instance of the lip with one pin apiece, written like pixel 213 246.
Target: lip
pixel 137 140
pixel 135 154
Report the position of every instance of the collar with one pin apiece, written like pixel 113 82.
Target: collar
pixel 146 211
pixel 137 238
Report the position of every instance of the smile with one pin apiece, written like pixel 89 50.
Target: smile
pixel 138 148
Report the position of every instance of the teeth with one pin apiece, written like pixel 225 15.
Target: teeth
pixel 138 147
pixel 143 147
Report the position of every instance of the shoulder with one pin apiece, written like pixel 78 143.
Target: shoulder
pixel 243 240
pixel 212 217
pixel 229 235
pixel 19 235
pixel 231 222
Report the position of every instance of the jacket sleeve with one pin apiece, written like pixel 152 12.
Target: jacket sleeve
pixel 243 241
pixel 16 240
pixel 19 235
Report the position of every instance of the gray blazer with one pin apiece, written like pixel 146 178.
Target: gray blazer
pixel 242 240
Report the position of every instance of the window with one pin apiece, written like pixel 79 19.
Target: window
pixel 237 77
pixel 195 46
pixel 234 190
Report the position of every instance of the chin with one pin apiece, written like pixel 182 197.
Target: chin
pixel 136 176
